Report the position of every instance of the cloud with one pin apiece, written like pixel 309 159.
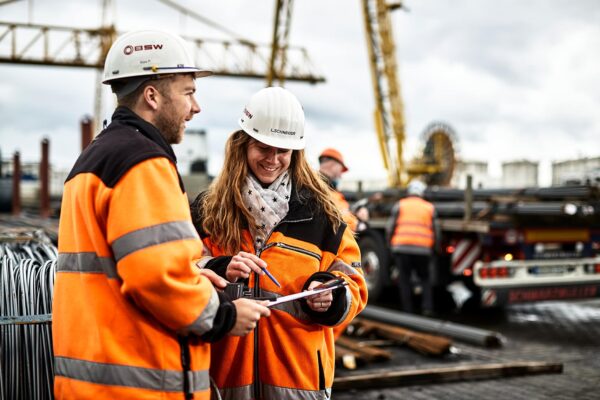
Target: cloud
pixel 514 79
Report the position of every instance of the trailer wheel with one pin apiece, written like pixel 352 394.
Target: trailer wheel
pixel 374 261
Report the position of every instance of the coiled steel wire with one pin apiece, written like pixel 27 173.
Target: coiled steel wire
pixel 27 267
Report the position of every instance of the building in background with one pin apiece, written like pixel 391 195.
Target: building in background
pixel 520 173
pixel 478 171
pixel 578 171
pixel 192 161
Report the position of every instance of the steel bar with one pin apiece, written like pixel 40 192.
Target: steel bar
pixel 45 179
pixel 460 332
pixel 26 319
pixel 27 264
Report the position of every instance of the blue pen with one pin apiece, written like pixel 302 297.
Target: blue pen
pixel 270 276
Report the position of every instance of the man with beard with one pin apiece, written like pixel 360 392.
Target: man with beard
pixel 132 313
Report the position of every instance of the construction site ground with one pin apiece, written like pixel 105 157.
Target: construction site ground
pixel 562 332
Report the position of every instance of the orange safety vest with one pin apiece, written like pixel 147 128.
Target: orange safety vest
pixel 289 356
pixel 126 288
pixel 342 205
pixel 414 224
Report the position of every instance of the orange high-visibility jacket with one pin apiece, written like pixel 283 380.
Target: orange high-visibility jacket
pixel 344 207
pixel 127 295
pixel 413 230
pixel 290 355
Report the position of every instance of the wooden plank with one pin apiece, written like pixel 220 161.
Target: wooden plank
pixel 422 342
pixel 368 353
pixel 347 358
pixel 443 375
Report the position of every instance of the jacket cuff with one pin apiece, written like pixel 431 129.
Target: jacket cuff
pixel 336 312
pixel 219 265
pixel 224 320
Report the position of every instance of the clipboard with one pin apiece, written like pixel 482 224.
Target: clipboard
pixel 300 295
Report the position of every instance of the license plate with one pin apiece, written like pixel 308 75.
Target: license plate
pixel 550 270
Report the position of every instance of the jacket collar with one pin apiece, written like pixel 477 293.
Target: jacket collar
pixel 302 205
pixel 124 115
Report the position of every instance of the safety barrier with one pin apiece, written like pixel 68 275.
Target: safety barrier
pixel 27 267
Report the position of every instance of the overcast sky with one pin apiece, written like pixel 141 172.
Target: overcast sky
pixel 515 79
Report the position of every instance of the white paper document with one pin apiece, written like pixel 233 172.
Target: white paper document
pixel 301 295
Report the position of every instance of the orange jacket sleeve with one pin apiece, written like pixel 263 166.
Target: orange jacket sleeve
pixel 154 243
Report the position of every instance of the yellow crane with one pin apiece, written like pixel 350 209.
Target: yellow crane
pixel 436 164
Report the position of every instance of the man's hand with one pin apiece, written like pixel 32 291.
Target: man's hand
pixel 215 279
pixel 248 313
pixel 319 302
pixel 242 264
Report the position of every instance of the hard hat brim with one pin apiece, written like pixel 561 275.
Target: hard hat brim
pixel 274 142
pixel 198 73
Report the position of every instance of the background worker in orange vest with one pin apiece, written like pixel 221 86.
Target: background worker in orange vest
pixel 412 233
pixel 132 313
pixel 331 167
pixel 269 210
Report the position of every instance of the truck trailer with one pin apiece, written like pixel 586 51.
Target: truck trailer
pixel 497 246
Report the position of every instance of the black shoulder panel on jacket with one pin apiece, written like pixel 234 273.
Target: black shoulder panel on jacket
pixel 116 150
pixel 316 230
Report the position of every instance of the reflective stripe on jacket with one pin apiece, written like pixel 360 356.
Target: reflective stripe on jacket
pixel 413 229
pixel 290 355
pixel 126 288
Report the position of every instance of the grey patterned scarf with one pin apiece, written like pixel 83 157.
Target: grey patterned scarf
pixel 268 205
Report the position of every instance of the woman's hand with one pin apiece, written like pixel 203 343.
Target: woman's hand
pixel 242 264
pixel 319 302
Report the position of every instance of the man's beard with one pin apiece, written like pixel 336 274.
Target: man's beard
pixel 167 124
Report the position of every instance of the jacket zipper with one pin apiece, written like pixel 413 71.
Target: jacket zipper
pixel 298 249
pixel 188 391
pixel 257 384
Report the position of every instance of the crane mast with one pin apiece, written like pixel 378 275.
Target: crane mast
pixel 389 110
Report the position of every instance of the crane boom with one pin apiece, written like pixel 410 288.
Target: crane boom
pixel 35 44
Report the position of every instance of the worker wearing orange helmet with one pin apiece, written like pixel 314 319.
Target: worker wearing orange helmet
pixel 331 167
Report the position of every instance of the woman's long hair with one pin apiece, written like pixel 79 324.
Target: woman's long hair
pixel 224 215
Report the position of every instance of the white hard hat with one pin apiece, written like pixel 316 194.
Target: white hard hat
pixel 275 117
pixel 416 188
pixel 148 53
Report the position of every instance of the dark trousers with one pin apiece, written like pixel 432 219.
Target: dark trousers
pixel 407 263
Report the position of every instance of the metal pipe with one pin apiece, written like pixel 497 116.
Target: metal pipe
pixel 460 332
pixel 469 198
pixel 16 187
pixel 44 180
pixel 86 132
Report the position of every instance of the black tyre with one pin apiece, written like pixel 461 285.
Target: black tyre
pixel 375 261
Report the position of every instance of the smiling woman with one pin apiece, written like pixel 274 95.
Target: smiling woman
pixel 269 209
pixel 267 162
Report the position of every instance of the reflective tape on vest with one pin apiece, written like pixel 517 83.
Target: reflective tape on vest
pixel 151 236
pixel 128 376
pixel 270 392
pixel 86 262
pixel 205 321
pixel 341 266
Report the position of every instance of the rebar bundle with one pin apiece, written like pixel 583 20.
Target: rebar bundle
pixel 26 285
